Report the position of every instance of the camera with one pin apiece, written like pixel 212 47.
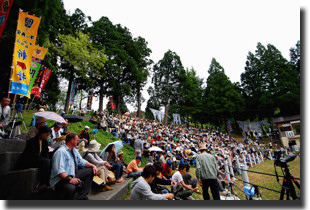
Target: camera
pixel 282 162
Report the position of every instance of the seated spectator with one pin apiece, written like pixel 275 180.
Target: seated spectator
pixel 156 185
pixel 182 190
pixel 187 178
pixel 166 172
pixel 102 166
pixel 5 112
pixel 42 105
pixel 121 160
pixel 35 155
pixel 62 114
pixel 66 177
pixel 132 169
pixel 64 130
pixel 33 131
pixel 111 158
pixel 33 120
pixel 162 158
pixel 84 136
pixel 141 190
pixel 151 157
pixel 55 140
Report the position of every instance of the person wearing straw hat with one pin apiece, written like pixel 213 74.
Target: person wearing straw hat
pixel 33 131
pixel 206 173
pixel 102 166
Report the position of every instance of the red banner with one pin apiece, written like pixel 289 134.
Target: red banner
pixel 45 76
pixel 90 99
pixel 5 7
pixel 112 103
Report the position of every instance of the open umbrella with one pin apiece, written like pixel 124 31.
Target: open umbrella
pixel 118 146
pixel 51 116
pixel 73 118
pixel 127 114
pixel 154 148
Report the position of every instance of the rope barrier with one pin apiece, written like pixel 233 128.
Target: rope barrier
pixel 255 184
pixel 260 172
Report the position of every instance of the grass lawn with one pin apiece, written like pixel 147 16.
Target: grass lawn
pixel 262 180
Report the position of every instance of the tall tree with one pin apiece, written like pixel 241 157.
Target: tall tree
pixel 166 79
pixel 221 97
pixel 140 53
pixel 191 92
pixel 79 58
pixel 269 83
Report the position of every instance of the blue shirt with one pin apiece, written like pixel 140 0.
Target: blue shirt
pixel 63 162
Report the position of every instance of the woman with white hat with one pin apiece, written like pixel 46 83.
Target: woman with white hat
pixel 102 166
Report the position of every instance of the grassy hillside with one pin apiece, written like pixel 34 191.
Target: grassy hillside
pixel 101 137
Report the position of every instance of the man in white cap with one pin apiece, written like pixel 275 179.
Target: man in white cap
pixel 206 173
pixel 84 136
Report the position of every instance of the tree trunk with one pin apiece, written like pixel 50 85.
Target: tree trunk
pixel 101 96
pixel 118 110
pixel 139 102
pixel 69 89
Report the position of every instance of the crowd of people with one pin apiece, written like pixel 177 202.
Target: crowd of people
pixel 167 148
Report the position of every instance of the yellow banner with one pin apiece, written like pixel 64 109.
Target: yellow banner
pixel 26 35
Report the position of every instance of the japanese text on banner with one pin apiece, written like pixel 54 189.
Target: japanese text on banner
pixel 26 35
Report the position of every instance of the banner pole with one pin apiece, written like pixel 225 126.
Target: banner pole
pixel 12 66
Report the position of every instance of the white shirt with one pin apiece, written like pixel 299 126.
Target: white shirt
pixel 177 177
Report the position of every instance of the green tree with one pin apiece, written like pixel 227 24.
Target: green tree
pixel 190 100
pixel 166 79
pixel 221 99
pixel 269 83
pixel 80 58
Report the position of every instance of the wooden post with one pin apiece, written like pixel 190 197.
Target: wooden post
pixel 253 156
pixel 227 171
pixel 249 156
pixel 230 167
pixel 238 164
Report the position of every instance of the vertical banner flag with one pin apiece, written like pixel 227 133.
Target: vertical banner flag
pixel 37 82
pixel 72 93
pixel 5 7
pixel 112 104
pixel 229 125
pixel 26 34
pixel 36 62
pixel 45 76
pixel 90 99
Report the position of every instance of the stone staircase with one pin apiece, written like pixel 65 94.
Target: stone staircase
pixel 20 184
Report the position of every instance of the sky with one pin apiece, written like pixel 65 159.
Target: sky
pixel 200 30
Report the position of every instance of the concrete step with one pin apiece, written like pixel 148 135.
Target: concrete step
pixel 118 192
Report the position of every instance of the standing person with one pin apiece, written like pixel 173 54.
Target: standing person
pixel 66 178
pixel 141 190
pixel 138 147
pixel 35 155
pixel 5 111
pixel 206 173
